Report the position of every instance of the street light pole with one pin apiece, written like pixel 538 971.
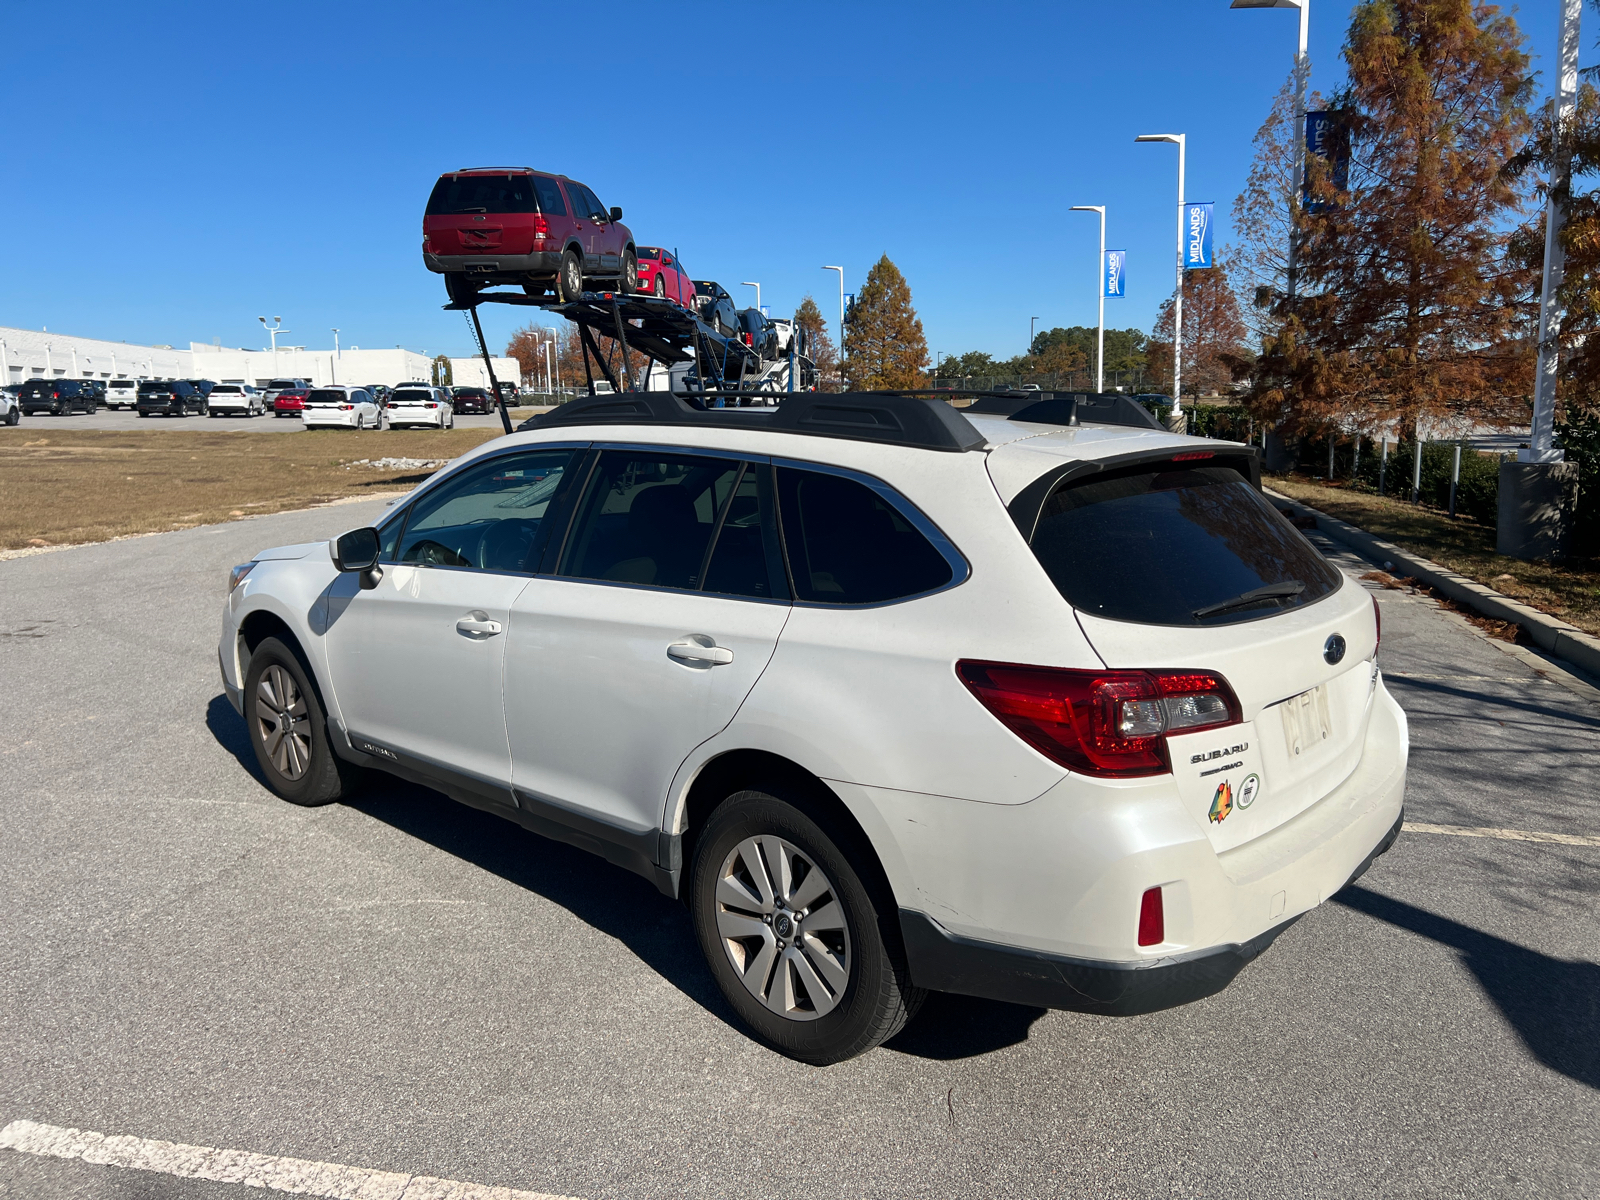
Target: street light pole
pixel 841 323
pixel 757 287
pixel 1180 140
pixel 274 330
pixel 1302 77
pixel 1100 290
pixel 1031 320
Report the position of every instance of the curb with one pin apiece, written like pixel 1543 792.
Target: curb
pixel 1548 633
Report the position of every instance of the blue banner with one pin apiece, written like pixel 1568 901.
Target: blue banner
pixel 1327 139
pixel 1116 276
pixel 1197 236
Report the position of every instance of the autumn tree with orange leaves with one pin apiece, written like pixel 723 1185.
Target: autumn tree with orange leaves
pixel 1410 308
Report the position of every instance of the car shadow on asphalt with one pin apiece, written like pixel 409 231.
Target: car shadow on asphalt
pixel 229 729
pixel 1552 1003
pixel 621 904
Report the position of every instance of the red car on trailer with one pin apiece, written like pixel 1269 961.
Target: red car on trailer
pixel 661 274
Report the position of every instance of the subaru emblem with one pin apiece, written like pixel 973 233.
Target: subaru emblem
pixel 1333 649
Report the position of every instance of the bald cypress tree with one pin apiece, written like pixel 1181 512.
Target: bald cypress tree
pixel 1411 310
pixel 884 341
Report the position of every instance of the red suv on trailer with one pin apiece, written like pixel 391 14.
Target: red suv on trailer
pixel 489 225
pixel 661 274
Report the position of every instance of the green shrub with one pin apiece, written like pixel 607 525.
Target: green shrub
pixel 1579 436
pixel 1477 493
pixel 1226 422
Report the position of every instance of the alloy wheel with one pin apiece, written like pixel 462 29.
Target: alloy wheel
pixel 783 928
pixel 283 722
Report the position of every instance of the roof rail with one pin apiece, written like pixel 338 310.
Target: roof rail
pixel 889 418
pixel 1069 408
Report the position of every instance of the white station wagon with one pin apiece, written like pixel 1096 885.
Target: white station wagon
pixel 1035 701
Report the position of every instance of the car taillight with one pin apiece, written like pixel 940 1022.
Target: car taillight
pixel 1111 724
pixel 55 395
pixel 1152 919
pixel 347 407
pixel 748 339
pixel 541 227
pixel 431 405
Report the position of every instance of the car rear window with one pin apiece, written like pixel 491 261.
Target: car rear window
pixel 1176 545
pixel 227 389
pixel 482 194
pixel 325 396
pixel 849 545
pixel 409 397
pixel 284 384
pixel 153 386
pixel 120 385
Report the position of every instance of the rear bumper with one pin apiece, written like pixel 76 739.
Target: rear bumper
pixel 336 418
pixel 541 262
pixel 946 962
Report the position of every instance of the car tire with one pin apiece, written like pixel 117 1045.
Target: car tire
pixel 569 283
pixel 299 762
pixel 661 288
pixel 459 289
pixel 13 417
pixel 629 279
pixel 831 993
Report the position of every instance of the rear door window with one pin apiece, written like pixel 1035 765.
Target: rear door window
pixel 847 543
pixel 647 518
pixel 1174 545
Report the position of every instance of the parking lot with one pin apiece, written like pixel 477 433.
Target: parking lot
pixel 404 984
pixel 123 419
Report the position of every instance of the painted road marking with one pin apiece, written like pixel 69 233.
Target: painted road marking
pixel 1505 835
pixel 298 1175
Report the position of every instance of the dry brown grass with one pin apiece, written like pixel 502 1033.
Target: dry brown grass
pixel 1570 591
pixel 60 488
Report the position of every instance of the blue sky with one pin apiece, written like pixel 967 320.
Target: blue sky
pixel 174 171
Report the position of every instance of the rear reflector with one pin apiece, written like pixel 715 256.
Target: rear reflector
pixel 1111 724
pixel 1152 919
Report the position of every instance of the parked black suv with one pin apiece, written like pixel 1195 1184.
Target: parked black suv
pixel 171 398
pixel 58 396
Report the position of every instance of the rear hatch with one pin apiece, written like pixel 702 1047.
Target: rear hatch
pixel 326 400
pixel 1178 562
pixel 483 215
pixel 411 400
pixel 227 395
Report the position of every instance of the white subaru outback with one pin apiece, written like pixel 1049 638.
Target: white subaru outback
pixel 1040 703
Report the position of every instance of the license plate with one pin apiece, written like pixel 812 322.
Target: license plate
pixel 1306 721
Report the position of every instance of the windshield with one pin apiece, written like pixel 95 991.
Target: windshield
pixel 482 194
pixel 1176 545
pixel 647 254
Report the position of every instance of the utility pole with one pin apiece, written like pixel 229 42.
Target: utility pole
pixel 1100 291
pixel 1031 321
pixel 1179 140
pixel 1536 490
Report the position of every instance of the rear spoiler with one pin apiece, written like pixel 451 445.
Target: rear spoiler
pixel 1028 504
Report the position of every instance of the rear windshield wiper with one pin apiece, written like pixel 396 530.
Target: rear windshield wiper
pixel 1270 591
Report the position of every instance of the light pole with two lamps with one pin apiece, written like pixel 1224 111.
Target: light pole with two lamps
pixel 274 329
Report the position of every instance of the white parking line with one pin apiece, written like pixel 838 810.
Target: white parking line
pixel 298 1175
pixel 1505 835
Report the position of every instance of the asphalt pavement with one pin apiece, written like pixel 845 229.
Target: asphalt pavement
pixel 404 984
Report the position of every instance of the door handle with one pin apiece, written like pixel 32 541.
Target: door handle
pixel 476 624
pixel 700 651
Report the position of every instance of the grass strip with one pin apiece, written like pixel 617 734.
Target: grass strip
pixel 1568 590
pixel 60 487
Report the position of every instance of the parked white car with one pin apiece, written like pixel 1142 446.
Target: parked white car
pixel 10 408
pixel 122 393
pixel 417 405
pixel 236 400
pixel 1048 708
pixel 340 407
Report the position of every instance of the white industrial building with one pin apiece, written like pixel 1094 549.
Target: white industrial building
pixel 28 354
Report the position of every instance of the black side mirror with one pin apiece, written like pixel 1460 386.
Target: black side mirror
pixel 616 214
pixel 358 551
